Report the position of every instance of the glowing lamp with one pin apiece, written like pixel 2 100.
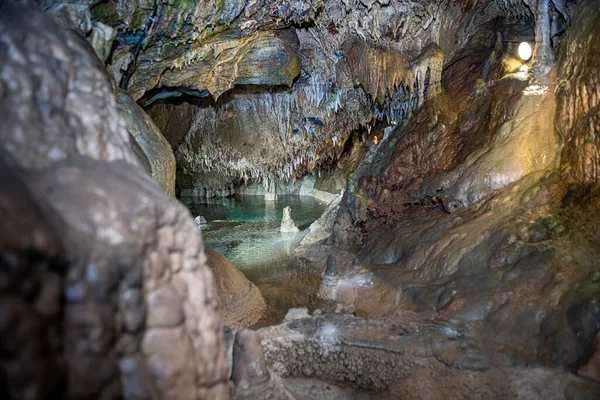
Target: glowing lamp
pixel 525 51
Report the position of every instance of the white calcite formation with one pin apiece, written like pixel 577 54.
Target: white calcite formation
pixel 287 223
pixel 200 220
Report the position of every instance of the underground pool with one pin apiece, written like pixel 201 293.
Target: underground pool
pixel 245 229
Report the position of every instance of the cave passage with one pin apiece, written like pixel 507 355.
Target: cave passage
pixel 299 199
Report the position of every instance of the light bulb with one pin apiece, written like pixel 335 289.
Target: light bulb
pixel 525 51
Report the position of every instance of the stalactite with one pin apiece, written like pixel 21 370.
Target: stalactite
pixel 315 90
pixel 543 55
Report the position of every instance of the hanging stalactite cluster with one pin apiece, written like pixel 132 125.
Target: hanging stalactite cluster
pixel 320 68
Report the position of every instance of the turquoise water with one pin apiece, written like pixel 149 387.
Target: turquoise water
pixel 255 209
pixel 245 229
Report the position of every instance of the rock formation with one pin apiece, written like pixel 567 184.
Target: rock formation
pixel 200 220
pixel 479 212
pixel 322 228
pixel 240 302
pixel 155 147
pixel 422 360
pixel 460 261
pixel 287 223
pixel 114 295
pixel 250 374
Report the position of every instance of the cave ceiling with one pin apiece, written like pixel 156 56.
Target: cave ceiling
pixel 277 87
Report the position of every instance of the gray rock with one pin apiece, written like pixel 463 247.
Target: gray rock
pixel 96 244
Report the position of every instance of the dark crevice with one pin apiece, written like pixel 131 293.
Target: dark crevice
pixel 150 24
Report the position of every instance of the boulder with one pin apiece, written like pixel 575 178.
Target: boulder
pixel 241 303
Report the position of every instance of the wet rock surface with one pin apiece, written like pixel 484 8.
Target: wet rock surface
pixel 127 306
pixel 307 64
pixel 241 303
pixel 578 97
pixel 294 77
pixel 463 215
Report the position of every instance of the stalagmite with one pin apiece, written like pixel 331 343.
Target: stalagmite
pixel 250 375
pixel 329 280
pixel 287 223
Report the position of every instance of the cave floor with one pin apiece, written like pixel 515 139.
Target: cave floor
pixel 305 388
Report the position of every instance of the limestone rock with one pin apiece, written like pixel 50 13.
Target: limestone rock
pixel 166 308
pixel 287 224
pixel 578 96
pixel 467 232
pixel 263 58
pixel 154 145
pixel 301 127
pixel 241 303
pixel 488 153
pixel 381 358
pixel 296 313
pixel 380 71
pixel 249 367
pixel 591 369
pixel 249 372
pixel 241 53
pixel 31 293
pixel 322 228
pixel 525 145
pixel 102 39
pixel 63 138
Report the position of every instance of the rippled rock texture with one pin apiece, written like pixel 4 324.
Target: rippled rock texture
pixel 105 288
pixel 240 302
pixel 411 360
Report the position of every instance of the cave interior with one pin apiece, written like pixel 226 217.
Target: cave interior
pixel 299 199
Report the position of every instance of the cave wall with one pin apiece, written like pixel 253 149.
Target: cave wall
pixel 305 126
pixel 578 96
pixel 155 149
pixel 100 267
pixel 290 79
pixel 474 212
